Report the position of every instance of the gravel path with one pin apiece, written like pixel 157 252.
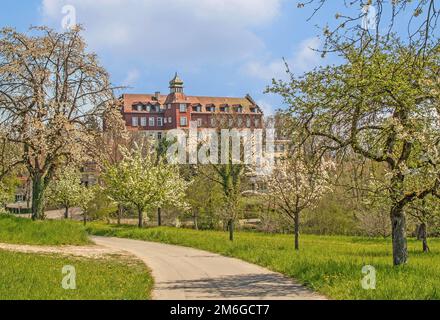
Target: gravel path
pixel 95 252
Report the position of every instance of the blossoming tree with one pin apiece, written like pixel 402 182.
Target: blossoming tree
pixel 143 183
pixel 53 96
pixel 296 184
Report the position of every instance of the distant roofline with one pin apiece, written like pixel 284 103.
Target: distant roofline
pixel 247 96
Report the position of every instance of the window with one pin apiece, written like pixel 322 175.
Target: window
pixel 151 122
pixel 165 121
pixel 143 122
pixel 170 120
pixel 148 108
pixel 248 122
pixel 183 121
pixel 239 109
pixel 199 122
pixel 231 122
pixel 240 121
pixel 257 122
pixel 213 122
pixel 197 109
pixel 159 135
pixel 182 107
pixel 160 122
pixel 254 110
pixel 135 121
pixel 210 109
pixel 224 109
pixel 169 106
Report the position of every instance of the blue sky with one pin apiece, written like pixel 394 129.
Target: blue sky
pixel 219 47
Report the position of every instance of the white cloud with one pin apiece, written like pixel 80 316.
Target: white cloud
pixel 304 58
pixel 170 31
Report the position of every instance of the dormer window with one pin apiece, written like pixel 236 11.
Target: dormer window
pixel 183 107
pixel 224 108
pixel 239 109
pixel 197 108
pixel 210 108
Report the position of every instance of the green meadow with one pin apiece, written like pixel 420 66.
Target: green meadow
pixel 16 230
pixel 31 276
pixel 26 276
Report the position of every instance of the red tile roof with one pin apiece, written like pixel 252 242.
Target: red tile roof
pixel 132 99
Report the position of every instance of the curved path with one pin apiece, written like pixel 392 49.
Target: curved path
pixel 188 274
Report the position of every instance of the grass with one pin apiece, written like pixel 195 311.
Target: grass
pixel 15 230
pixel 39 277
pixel 329 265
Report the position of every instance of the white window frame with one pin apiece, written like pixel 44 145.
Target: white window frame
pixel 160 122
pixel 151 122
pixel 183 121
pixel 199 123
pixel 135 122
pixel 183 107
pixel 170 120
pixel 143 121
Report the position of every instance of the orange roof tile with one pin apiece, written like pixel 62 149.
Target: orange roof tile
pixel 131 99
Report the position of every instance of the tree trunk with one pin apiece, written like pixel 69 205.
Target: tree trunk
pixel 231 230
pixel 120 209
pixel 422 234
pixel 66 212
pixel 159 217
pixel 141 218
pixel 398 223
pixel 38 190
pixel 297 231
pixel 85 218
pixel 196 224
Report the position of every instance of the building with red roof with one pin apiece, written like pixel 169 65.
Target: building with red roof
pixel 158 113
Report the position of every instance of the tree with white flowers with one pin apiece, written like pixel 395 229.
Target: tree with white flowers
pixel 298 183
pixel 143 183
pixel 54 96
pixel 66 189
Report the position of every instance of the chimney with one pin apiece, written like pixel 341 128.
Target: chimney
pixel 157 95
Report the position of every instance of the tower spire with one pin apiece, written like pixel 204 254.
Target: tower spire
pixel 176 84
